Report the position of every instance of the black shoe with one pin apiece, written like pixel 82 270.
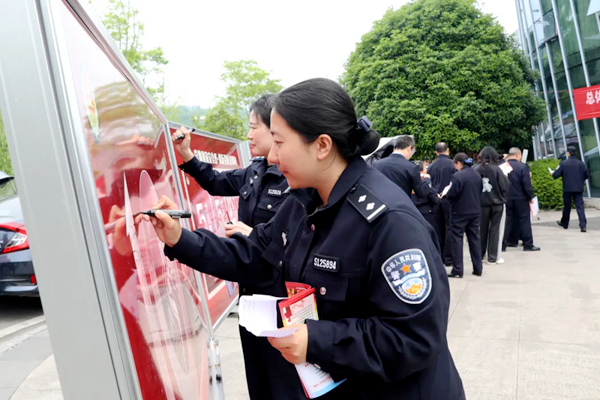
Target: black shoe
pixel 561 225
pixel 532 248
pixel 454 276
pixel 583 230
pixel 477 273
pixel 512 245
pixel 504 249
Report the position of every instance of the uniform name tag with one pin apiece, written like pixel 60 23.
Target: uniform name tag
pixel 274 192
pixel 325 263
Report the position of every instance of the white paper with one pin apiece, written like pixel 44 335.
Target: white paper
pixel 316 382
pixel 258 314
pixel 525 154
pixel 506 168
pixel 535 207
pixel 550 170
pixel 446 189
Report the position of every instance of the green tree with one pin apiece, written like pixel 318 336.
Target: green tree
pixel 122 22
pixel 444 70
pixel 5 163
pixel 245 81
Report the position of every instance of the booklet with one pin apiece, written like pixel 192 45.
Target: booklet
pixel 506 168
pixel 534 206
pixel 258 314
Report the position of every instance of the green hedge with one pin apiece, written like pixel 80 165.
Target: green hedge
pixel 547 189
pixel 5 164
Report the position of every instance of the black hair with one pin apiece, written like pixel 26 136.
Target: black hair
pixel 489 155
pixel 441 147
pixel 572 150
pixel 421 165
pixel 262 107
pixel 404 141
pixel 463 159
pixel 320 106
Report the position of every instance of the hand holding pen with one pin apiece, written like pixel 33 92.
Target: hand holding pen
pixel 167 228
pixel 182 139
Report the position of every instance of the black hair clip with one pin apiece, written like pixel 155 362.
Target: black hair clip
pixel 365 124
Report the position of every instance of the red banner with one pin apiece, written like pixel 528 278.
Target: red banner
pixel 587 102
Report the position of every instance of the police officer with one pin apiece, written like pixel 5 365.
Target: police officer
pixel 441 171
pixel 262 189
pixel 383 297
pixel 519 196
pixel 427 205
pixel 465 205
pixel 574 173
pixel 401 171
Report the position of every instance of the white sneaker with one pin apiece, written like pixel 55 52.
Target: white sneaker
pixel 498 261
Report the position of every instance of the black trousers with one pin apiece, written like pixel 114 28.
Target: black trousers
pixel 442 217
pixel 518 223
pixel 578 198
pixel 490 230
pixel 468 224
pixel 429 214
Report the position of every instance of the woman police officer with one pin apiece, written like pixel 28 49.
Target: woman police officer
pixel 262 189
pixel 383 299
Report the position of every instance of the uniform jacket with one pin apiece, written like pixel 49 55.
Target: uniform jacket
pixel 574 174
pixel 465 193
pixel 382 292
pixel 261 188
pixel 405 174
pixel 520 182
pixel 495 184
pixel 441 171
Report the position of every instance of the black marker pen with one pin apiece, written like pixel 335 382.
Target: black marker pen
pixel 175 214
pixel 183 135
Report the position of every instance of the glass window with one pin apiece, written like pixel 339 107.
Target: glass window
pixel 546 6
pixel 588 26
pixel 549 26
pixel 592 157
pixel 568 33
pixel 594 71
pixel 527 9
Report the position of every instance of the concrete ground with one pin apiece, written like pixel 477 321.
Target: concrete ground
pixel 528 329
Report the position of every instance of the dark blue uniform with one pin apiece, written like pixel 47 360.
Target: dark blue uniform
pixel 403 173
pixel 520 193
pixel 382 297
pixel 465 205
pixel 262 190
pixel 427 206
pixel 441 171
pixel 574 173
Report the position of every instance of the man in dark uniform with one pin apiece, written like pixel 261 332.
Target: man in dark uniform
pixel 441 171
pixel 574 173
pixel 427 205
pixel 399 169
pixel 519 196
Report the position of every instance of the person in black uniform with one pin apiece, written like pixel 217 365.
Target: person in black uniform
pixel 400 170
pixel 519 196
pixel 383 297
pixel 427 205
pixel 493 198
pixel 441 171
pixel 574 173
pixel 465 205
pixel 262 189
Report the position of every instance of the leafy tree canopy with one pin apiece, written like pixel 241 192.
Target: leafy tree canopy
pixel 442 70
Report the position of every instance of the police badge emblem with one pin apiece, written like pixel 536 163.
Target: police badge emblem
pixel 408 275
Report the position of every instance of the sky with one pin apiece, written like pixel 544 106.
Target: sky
pixel 295 40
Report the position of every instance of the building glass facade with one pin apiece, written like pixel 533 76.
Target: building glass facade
pixel 561 39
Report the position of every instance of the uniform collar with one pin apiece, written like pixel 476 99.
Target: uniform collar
pixel 273 169
pixel 443 156
pixel 345 183
pixel 398 155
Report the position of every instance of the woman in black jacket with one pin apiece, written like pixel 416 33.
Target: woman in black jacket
pixel 493 198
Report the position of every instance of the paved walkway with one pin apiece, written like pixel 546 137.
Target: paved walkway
pixel 526 330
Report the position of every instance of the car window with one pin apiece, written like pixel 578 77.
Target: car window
pixel 7 189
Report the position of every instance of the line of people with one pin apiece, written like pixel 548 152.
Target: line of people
pixel 458 198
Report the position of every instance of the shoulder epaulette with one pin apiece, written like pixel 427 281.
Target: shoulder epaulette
pixel 366 203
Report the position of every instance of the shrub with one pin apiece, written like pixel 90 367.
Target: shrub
pixel 547 189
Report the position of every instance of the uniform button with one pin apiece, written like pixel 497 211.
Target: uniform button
pixel 280 263
pixel 353 190
pixel 244 290
pixel 245 193
pixel 312 227
pixel 269 207
pixel 323 291
pixel 255 176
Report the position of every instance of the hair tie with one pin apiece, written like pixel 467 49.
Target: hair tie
pixel 469 161
pixel 364 124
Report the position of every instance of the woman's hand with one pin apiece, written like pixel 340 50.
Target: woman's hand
pixel 238 227
pixel 183 145
pixel 293 348
pixel 167 229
